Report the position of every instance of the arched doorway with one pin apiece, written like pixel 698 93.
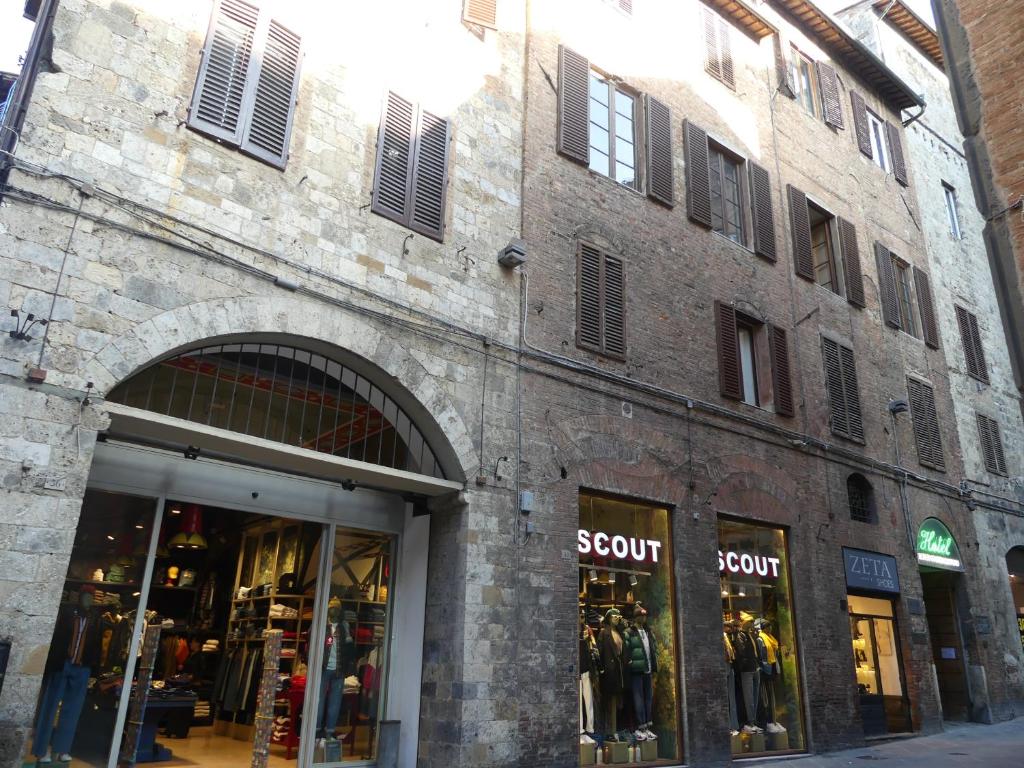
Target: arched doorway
pixel 248 573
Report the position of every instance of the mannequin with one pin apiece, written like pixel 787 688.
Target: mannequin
pixel 74 654
pixel 612 646
pixel 728 638
pixel 749 673
pixel 588 649
pixel 770 665
pixel 642 662
pixel 339 650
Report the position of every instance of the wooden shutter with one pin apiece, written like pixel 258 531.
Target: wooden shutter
pixel 483 13
pixel 600 302
pixel 659 152
pixel 803 259
pixel 221 94
pixel 588 297
pixel 573 105
pixel 851 263
pixel 839 423
pixel 887 286
pixel 860 123
pixel 764 216
pixel 698 181
pixel 927 307
pixel 843 396
pixel 782 68
pixel 392 180
pixel 729 380
pixel 851 393
pixel 829 84
pixel 712 61
pixel 781 379
pixel 429 175
pixel 991 445
pixel 899 166
pixel 613 294
pixel 971 337
pixel 269 128
pixel 926 424
pixel 725 51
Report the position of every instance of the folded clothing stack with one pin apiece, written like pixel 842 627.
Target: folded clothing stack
pixel 287 653
pixel 211 645
pixel 281 725
pixel 378 614
pixel 279 611
pixel 350 616
pixel 202 710
pixel 351 684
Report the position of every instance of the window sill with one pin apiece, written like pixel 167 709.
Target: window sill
pixel 617 184
pixel 742 246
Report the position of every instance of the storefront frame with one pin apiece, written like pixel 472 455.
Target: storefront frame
pixel 160 475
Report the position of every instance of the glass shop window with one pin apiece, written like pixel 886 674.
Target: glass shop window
pixel 759 639
pixel 628 698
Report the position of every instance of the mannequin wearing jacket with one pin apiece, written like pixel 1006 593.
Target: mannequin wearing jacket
pixel 588 669
pixel 339 652
pixel 769 662
pixel 74 654
pixel 642 663
pixel 613 681
pixel 749 673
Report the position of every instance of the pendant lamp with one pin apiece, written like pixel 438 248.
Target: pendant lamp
pixel 191 534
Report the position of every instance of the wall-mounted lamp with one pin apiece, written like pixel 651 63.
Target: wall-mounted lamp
pixel 898 406
pixel 22 326
pixel 513 254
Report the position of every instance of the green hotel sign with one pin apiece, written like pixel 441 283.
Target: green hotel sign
pixel 937 547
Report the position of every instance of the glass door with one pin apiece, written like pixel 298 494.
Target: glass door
pixel 885 707
pixel 352 653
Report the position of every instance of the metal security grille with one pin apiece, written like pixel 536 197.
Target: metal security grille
pixel 286 394
pixel 859 493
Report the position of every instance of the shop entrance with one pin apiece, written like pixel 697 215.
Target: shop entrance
pixel 881 685
pixel 248 576
pixel 947 645
pixel 1015 568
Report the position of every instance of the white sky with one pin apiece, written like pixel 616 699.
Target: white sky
pixel 15 31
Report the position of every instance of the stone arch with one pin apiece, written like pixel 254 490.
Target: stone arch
pixel 278 317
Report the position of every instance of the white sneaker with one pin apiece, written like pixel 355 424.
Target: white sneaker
pixel 639 735
pixel 64 758
pixel 585 739
pixel 651 735
pixel 45 759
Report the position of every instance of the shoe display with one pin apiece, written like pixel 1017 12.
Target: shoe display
pixel 64 758
pixel 585 739
pixel 639 735
pixel 45 759
pixel 651 735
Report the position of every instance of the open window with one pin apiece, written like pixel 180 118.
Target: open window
pixel 613 130
pixel 876 133
pixel 805 81
pixel 753 361
pixel 728 193
pixel 825 248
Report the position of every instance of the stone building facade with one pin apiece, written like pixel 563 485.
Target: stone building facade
pixel 954 233
pixel 741 391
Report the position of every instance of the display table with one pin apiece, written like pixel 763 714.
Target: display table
pixel 176 711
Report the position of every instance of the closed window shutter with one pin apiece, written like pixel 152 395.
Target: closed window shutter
pixel 781 378
pixel 926 424
pixel 971 337
pixel 483 13
pixel 851 263
pixel 803 259
pixel 764 215
pixel 588 297
pixel 927 307
pixel 573 105
pixel 430 175
pixel 899 166
pixel 659 152
pixel 221 92
pixel 728 352
pixel 725 50
pixel 394 159
pixel 852 395
pixel 614 311
pixel 860 123
pixel 839 422
pixel 887 286
pixel 991 445
pixel 270 121
pixel 829 84
pixel 698 182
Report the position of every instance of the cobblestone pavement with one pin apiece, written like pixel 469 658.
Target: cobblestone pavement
pixel 962 744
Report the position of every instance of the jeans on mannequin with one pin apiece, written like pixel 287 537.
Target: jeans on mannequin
pixel 329 708
pixel 768 686
pixel 65 688
pixel 586 704
pixel 643 698
pixel 734 720
pixel 751 683
pixel 611 713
